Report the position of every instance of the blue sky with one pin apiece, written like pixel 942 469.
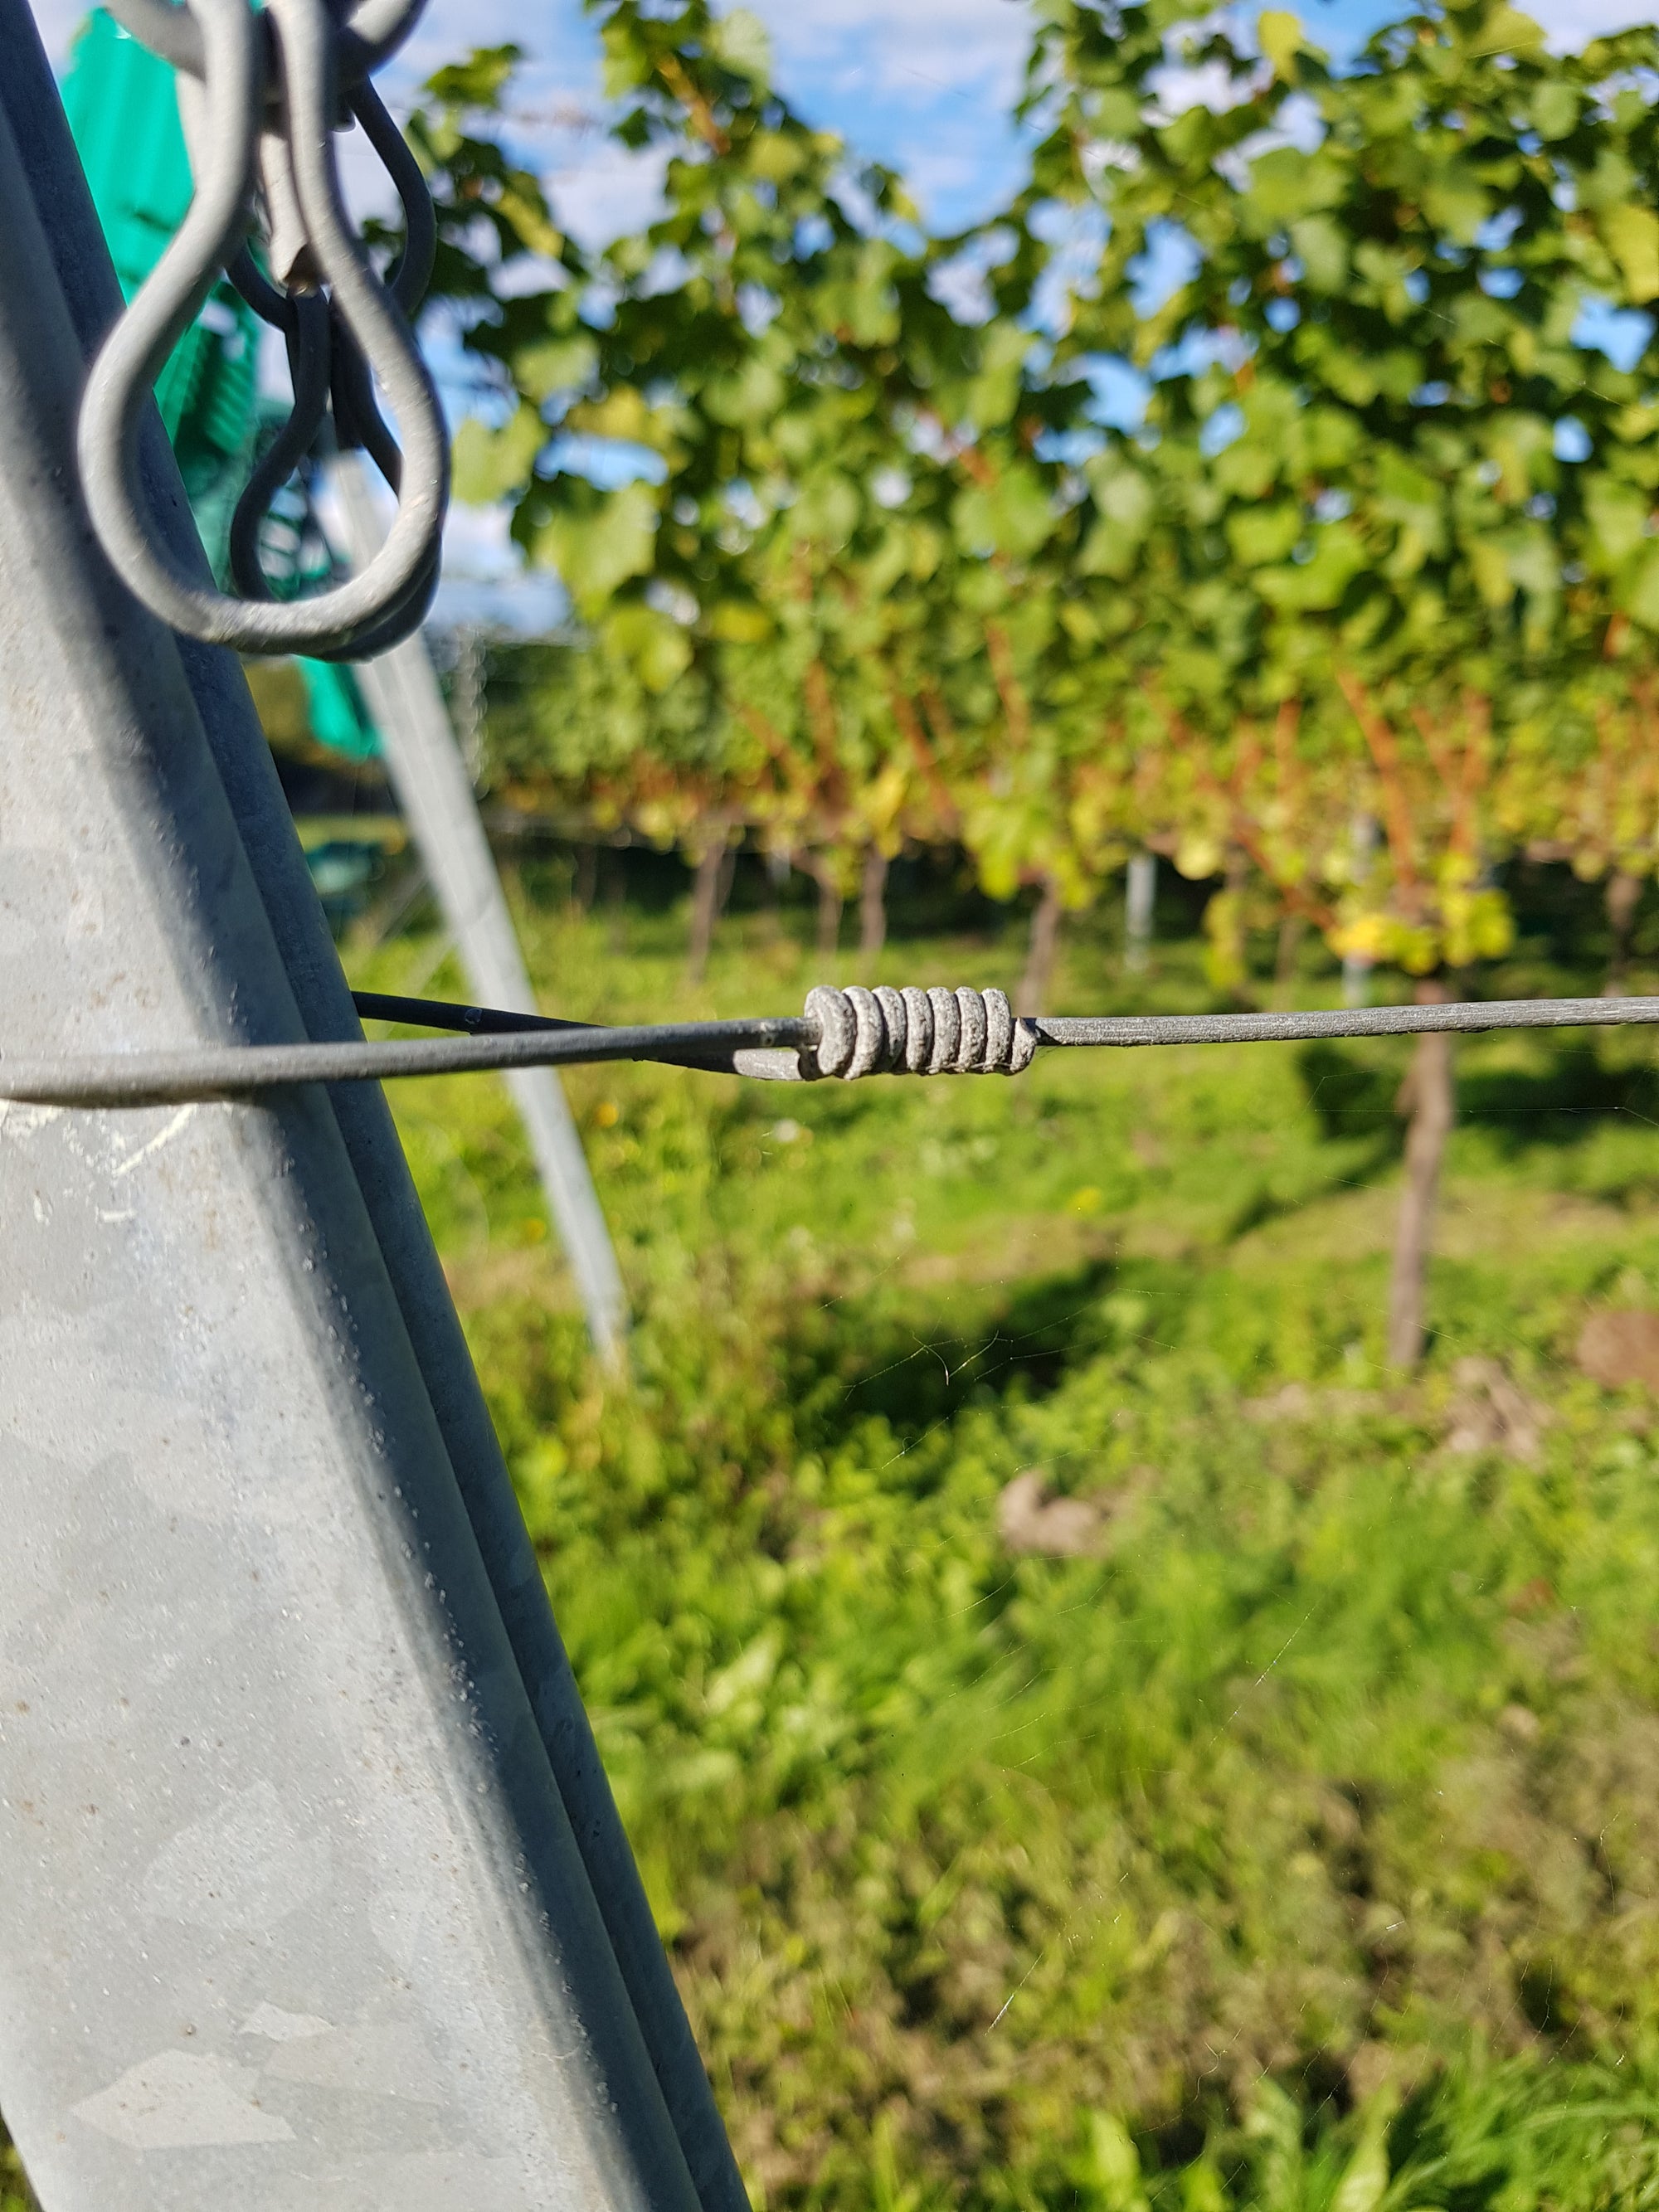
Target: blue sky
pixel 926 85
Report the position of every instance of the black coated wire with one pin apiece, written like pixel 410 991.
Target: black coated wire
pixel 714 1054
pixel 777 1048
pixel 443 1014
pixel 229 1071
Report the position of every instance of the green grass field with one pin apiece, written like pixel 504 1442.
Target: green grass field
pixel 1297 1848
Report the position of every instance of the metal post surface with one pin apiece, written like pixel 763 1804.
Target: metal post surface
pixel 249 781
pixel 434 791
pixel 1356 967
pixel 293 1913
pixel 1140 897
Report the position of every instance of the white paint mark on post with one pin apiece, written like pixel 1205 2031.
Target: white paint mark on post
pixel 162 1138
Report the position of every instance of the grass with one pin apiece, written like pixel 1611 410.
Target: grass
pixel 1322 1801
pixel 1297 1850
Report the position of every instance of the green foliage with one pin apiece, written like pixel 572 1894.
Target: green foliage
pixel 1296 1850
pixel 1392 295
pixel 1354 506
pixel 13 2190
pixel 490 463
pixel 905 588
pixel 840 511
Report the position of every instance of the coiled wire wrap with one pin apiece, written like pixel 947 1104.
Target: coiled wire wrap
pixel 912 1032
pixel 283 70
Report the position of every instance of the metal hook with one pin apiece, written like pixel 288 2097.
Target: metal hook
pixel 360 331
pixel 373 33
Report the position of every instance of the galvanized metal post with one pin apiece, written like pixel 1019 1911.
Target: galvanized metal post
pixel 294 1911
pixel 435 794
pixel 1140 897
pixel 1356 967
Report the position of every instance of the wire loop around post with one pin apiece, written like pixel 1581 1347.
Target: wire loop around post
pixel 284 71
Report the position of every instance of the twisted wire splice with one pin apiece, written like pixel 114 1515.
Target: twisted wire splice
pixel 913 1032
pixel 844 1034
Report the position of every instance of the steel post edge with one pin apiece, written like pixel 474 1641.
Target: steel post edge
pixel 293 1910
pixel 249 777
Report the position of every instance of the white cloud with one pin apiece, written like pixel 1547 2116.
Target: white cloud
pixel 926 86
pixel 912 48
pixel 599 193
pixel 486 580
pixel 1569 24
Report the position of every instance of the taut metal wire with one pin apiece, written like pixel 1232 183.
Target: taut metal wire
pixel 842 1035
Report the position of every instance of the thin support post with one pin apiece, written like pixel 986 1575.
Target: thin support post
pixel 1140 897
pixel 1357 966
pixel 429 779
